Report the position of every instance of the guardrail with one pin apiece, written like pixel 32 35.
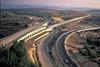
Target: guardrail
pixel 98 28
pixel 44 26
pixel 38 35
pixel 84 30
pixel 68 21
pixel 35 33
pixel 25 35
pixel 31 34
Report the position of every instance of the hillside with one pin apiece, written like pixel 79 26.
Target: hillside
pixel 44 12
pixel 94 20
pixel 93 11
pixel 11 23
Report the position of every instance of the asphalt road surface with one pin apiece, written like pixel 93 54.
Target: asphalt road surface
pixel 51 51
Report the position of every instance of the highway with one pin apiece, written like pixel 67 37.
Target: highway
pixel 51 51
pixel 24 33
pixel 73 33
pixel 97 28
pixel 68 21
pixel 43 51
pixel 61 52
pixel 9 39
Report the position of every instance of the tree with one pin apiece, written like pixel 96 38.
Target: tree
pixel 15 56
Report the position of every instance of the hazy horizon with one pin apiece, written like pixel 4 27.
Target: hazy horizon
pixel 50 3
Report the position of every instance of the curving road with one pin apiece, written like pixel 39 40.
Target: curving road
pixel 71 34
pixel 8 40
pixel 68 21
pixel 43 50
pixel 51 52
pixel 61 52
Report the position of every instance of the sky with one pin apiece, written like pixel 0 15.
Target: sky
pixel 58 3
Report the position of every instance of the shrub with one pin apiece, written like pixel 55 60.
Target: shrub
pixel 15 56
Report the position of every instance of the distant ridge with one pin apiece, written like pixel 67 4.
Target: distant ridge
pixel 9 6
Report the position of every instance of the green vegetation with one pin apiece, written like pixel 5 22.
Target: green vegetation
pixel 91 49
pixel 11 23
pixel 15 56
